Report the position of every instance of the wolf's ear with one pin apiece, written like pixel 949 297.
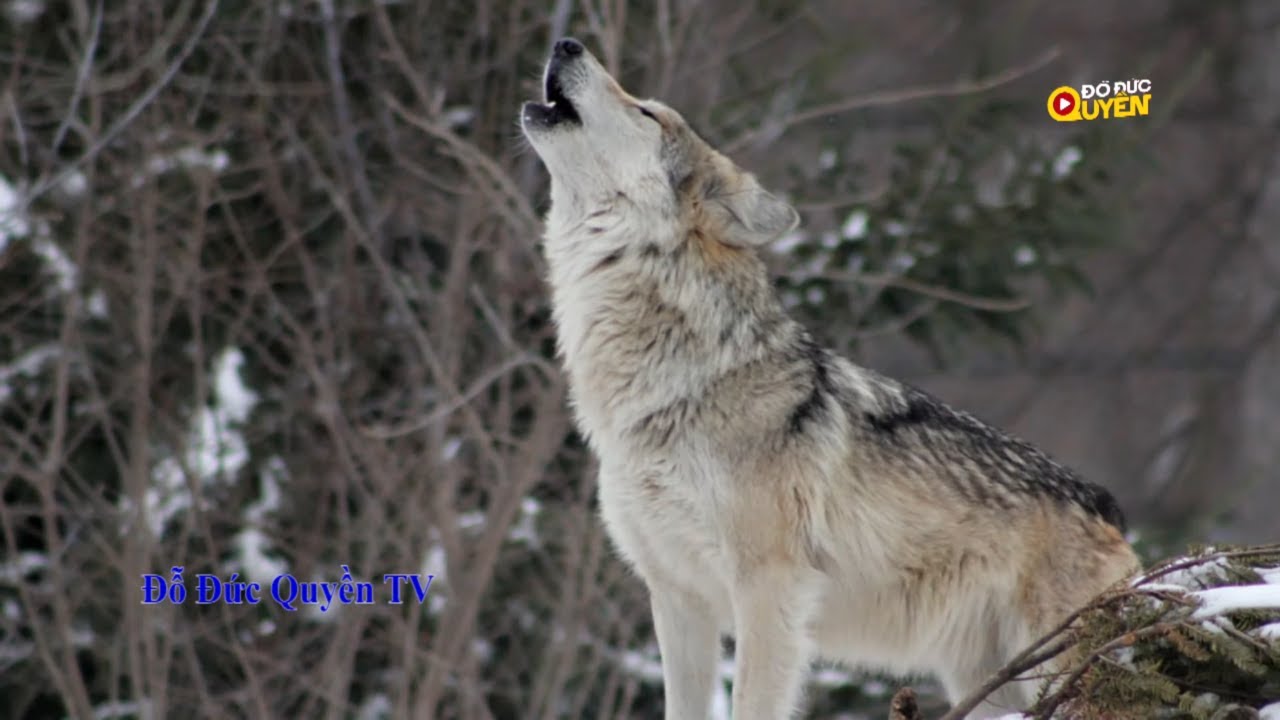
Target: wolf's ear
pixel 753 216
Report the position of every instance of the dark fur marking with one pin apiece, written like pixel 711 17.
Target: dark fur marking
pixel 1097 500
pixel 726 332
pixel 608 260
pixel 650 251
pixel 812 407
pixel 683 184
pixel 660 424
pixel 712 187
pixel 929 423
pixel 651 486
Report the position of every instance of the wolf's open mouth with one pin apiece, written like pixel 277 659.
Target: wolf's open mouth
pixel 557 108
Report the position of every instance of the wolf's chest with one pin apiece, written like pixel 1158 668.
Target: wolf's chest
pixel 664 523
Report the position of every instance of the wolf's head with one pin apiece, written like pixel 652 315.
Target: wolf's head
pixel 600 143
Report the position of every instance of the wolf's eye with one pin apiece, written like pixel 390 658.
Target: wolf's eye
pixel 646 113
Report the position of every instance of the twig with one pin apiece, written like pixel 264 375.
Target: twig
pixel 82 78
pixel 939 293
pixel 893 97
pixel 1038 652
pixel 479 386
pixel 900 323
pixel 1025 661
pixel 510 203
pixel 148 96
pixel 1125 640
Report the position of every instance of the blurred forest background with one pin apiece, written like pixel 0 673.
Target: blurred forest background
pixel 271 301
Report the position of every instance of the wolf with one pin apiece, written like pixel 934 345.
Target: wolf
pixel 762 486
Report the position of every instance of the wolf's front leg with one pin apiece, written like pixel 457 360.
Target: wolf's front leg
pixel 690 646
pixel 772 606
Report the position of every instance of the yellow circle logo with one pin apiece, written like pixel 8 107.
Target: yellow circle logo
pixel 1064 104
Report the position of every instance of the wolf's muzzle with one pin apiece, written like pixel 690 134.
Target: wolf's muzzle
pixel 567 48
pixel 557 107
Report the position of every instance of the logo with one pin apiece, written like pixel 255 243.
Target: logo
pixel 1104 100
pixel 1064 104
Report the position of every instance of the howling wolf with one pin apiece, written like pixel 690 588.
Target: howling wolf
pixel 761 485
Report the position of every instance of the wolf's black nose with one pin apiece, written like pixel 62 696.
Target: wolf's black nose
pixel 568 47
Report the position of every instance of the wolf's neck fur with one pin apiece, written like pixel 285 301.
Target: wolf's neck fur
pixel 634 336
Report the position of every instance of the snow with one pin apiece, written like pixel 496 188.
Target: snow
pixel 1219 600
pixel 1157 587
pixel 26 365
pixel 251 544
pixel 1271 631
pixel 855 226
pixel 24 11
pixel 1197 576
pixel 15 571
pixel 473 520
pixel 1124 657
pixel 376 707
pixel 1025 255
pixel 827 159
pixel 274 473
pixel 902 262
pixel 1066 161
pixel 12 222
pixel 1270 712
pixel 451 448
pixel 97 305
pixel 525 530
pixel 830 677
pixel 1205 703
pixel 457 117
pixel 251 547
pixel 66 274
pixel 1195 581
pixel 74 184
pixel 187 158
pixel 645 666
pixel 313 611
pixel 433 563
pixel 894 228
pixel 235 397
pixel 214 450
